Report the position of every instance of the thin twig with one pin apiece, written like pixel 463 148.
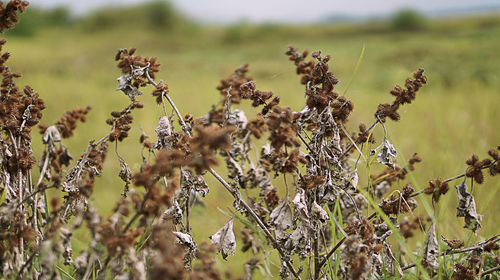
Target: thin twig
pixel 491 270
pixel 349 148
pixel 330 253
pixel 445 181
pixel 480 245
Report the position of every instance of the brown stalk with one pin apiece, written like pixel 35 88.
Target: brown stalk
pixel 480 245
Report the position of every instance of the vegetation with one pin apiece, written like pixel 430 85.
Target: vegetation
pixel 452 118
pixel 408 20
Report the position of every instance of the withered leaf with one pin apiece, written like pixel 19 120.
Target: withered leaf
pixel 66 241
pixel 125 85
pixel 235 171
pixel 225 239
pixel 281 217
pixel 299 240
pixel 174 213
pixel 187 241
pixel 467 208
pixel 318 212
pixel 189 179
pixel 125 172
pixel 163 129
pixel 65 157
pixel 184 239
pixel 51 135
pixel 238 118
pixel 300 203
pixel 431 248
pixel 390 261
pixel 386 154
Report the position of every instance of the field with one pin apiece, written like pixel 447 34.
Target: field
pixel 454 116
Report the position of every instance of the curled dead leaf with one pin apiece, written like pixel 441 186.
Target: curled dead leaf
pixel 225 240
pixel 467 208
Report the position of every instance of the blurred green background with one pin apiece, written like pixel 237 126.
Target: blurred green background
pixel 69 60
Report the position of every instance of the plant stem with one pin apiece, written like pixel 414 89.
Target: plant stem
pixel 491 270
pixel 480 245
pixel 349 148
pixel 341 241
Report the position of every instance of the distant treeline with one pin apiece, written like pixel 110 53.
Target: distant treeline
pixel 161 15
pixel 155 14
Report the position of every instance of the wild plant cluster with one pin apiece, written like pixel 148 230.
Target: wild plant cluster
pixel 315 224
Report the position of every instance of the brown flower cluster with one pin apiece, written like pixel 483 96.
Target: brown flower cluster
pixel 96 157
pixel 495 165
pixel 320 84
pixel 9 13
pixel 117 242
pixel 231 86
pixel 283 162
pixel 359 247
pixel 310 182
pixel 391 175
pixel 403 96
pixel 257 127
pixel 166 163
pixel 160 90
pixel 19 111
pixel 205 142
pixel 68 121
pixel 283 127
pixel 167 263
pixel 476 166
pixel 133 64
pixel 437 188
pixel 248 91
pixel 363 135
pixel 400 202
pixel 121 122
pixel 468 271
pixel 407 226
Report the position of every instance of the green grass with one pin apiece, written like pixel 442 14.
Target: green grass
pixel 455 115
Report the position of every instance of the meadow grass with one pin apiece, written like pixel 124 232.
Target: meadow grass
pixel 455 115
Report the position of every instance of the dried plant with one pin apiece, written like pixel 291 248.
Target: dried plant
pixel 148 235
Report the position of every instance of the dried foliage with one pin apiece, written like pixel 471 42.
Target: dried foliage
pixel 316 220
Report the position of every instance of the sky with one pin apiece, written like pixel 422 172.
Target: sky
pixel 221 11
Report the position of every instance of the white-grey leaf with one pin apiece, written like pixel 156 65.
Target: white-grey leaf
pixel 235 171
pixel 390 261
pixel 163 129
pixel 238 118
pixel 381 188
pixel 467 208
pixel 386 154
pixel 431 248
pixel 174 213
pixel 281 217
pixel 225 240
pixel 318 212
pixel 184 239
pixel 189 179
pixel 300 203
pixel 125 85
pixel 51 134
pixel 125 172
pixel 299 241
